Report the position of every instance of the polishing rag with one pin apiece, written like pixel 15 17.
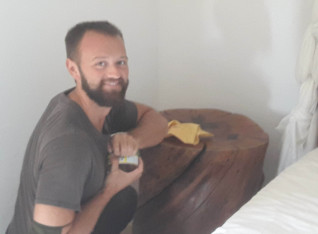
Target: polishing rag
pixel 188 133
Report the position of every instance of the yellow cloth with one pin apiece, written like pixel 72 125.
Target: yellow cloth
pixel 188 133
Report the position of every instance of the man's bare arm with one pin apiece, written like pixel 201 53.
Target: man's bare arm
pixel 151 127
pixel 85 221
pixel 81 223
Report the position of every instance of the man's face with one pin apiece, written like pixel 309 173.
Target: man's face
pixel 103 68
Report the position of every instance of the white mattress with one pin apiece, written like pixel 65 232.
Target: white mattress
pixel 288 204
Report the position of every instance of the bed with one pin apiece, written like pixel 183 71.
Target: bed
pixel 288 204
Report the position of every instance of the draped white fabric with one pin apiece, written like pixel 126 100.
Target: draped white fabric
pixel 286 205
pixel 299 128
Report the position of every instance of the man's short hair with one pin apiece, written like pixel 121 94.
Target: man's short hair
pixel 76 33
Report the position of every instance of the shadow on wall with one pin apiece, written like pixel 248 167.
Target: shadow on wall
pixel 245 30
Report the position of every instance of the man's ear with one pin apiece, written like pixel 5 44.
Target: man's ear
pixel 73 69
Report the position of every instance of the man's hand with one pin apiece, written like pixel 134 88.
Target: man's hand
pixel 123 144
pixel 117 179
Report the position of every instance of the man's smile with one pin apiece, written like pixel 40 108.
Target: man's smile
pixel 114 83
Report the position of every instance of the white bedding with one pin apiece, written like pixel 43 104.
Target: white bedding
pixel 288 204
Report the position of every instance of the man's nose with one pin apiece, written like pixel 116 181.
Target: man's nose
pixel 112 71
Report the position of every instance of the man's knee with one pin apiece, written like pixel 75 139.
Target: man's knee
pixel 118 212
pixel 126 199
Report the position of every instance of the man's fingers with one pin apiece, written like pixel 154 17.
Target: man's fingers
pixel 114 161
pixel 140 164
pixel 123 144
pixel 116 148
pixel 110 147
pixel 140 167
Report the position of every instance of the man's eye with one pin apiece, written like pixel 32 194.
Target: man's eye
pixel 122 62
pixel 101 64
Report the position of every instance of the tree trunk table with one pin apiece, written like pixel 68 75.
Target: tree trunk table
pixel 189 189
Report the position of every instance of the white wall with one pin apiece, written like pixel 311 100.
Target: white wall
pixel 32 68
pixel 235 55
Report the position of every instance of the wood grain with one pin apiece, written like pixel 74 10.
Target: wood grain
pixel 194 189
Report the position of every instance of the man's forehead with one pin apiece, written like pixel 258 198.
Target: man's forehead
pixel 94 42
pixel 92 35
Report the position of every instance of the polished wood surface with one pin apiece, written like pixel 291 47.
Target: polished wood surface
pixel 164 165
pixel 194 189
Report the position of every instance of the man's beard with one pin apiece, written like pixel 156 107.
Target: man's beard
pixel 105 98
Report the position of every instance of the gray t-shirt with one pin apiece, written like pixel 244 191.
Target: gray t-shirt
pixel 66 158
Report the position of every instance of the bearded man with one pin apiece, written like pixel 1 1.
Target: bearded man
pixel 70 179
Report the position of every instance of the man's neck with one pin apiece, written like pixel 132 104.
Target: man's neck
pixel 95 113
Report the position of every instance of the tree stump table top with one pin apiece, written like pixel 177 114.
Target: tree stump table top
pixel 183 185
pixel 231 131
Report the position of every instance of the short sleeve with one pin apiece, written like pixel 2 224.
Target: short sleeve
pixel 65 168
pixel 122 118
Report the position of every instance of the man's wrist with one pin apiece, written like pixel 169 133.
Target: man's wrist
pixel 108 192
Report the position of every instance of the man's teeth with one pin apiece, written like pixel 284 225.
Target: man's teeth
pixel 112 83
